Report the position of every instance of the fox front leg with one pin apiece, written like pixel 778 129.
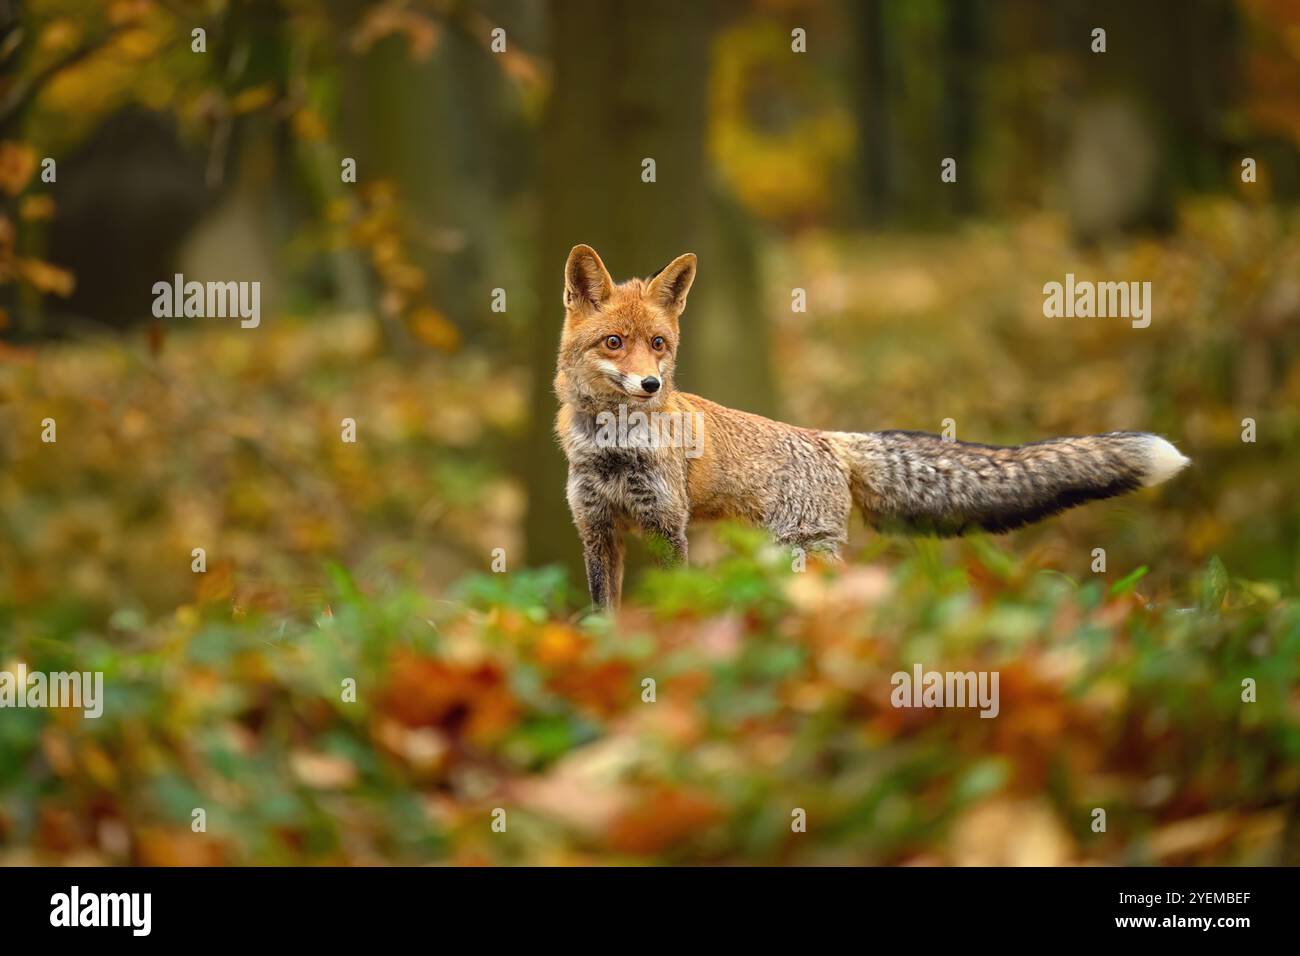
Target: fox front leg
pixel 602 550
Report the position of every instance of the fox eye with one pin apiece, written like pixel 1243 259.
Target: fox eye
pixel 658 343
pixel 613 343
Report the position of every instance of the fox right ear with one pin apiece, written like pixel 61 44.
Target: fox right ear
pixel 586 280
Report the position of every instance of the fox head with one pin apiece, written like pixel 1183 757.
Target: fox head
pixel 620 341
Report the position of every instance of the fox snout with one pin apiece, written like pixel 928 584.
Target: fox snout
pixel 638 384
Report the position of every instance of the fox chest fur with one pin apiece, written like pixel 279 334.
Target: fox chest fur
pixel 632 485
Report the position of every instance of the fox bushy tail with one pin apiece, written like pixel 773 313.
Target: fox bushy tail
pixel 913 481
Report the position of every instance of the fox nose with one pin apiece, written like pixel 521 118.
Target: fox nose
pixel 650 384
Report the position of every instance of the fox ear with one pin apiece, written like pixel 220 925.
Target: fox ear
pixel 586 280
pixel 670 284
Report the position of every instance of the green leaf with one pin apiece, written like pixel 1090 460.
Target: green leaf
pixel 1214 585
pixel 1129 581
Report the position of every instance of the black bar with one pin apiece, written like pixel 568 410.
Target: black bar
pixel 332 906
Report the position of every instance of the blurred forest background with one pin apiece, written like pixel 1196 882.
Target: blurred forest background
pixel 481 158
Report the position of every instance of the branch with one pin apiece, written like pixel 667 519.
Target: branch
pixel 22 93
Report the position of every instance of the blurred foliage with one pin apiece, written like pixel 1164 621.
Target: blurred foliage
pixel 275 63
pixel 233 443
pixel 772 692
pixel 783 135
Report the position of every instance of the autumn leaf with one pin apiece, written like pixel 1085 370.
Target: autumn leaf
pixel 17 163
pixel 46 277
pixel 308 125
pixel 432 328
pixel 36 208
pixel 468 700
pixel 558 646
pixel 390 19
pixel 252 99
pixel 663 817
pixel 59 34
pixel 322 771
pixel 173 846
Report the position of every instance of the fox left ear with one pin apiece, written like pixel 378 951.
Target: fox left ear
pixel 671 283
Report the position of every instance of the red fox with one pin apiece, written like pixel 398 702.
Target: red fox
pixel 615 365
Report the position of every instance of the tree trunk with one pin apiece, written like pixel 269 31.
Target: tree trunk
pixel 873 68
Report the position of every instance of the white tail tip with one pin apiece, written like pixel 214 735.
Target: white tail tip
pixel 1163 461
